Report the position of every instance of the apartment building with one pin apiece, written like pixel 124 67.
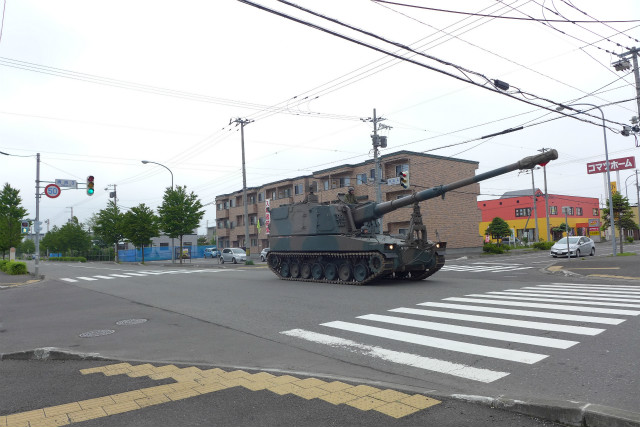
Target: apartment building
pixel 453 218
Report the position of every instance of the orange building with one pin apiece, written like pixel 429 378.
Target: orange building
pixel 517 209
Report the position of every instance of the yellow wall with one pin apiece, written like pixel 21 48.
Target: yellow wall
pixel 518 224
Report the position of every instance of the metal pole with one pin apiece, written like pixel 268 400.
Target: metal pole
pixel 546 200
pixel 37 227
pixel 634 56
pixel 606 154
pixel 247 242
pixel 535 207
pixel 378 171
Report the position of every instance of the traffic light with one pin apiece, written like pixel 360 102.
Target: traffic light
pixel 90 185
pixel 24 227
pixel 404 179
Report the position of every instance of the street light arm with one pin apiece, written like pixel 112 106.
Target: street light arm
pixel 160 164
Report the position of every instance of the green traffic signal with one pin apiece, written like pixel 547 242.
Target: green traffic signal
pixel 90 185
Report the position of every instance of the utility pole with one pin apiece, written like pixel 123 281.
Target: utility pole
pixel 71 217
pixel 37 227
pixel 247 242
pixel 377 141
pixel 114 195
pixel 535 207
pixel 624 65
pixel 546 197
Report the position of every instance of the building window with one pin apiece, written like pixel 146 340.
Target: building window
pixel 361 178
pixel 372 174
pixel 579 211
pixel 254 242
pixel 325 185
pixel 164 245
pixel 401 168
pixel 220 206
pixel 232 203
pixel 274 195
pixel 260 197
pixel 298 189
pixel 553 210
pixel 523 212
pixel 252 220
pixel 403 231
pixel 186 244
pixel 345 182
pixel 595 211
pixel 570 211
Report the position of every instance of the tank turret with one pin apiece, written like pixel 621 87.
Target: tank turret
pixel 343 243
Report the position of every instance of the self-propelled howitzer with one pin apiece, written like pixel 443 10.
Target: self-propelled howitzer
pixel 342 243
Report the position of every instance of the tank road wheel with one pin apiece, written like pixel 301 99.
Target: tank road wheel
pixel 305 270
pixel 330 271
pixel 376 263
pixel 284 270
pixel 360 271
pixel 317 271
pixel 295 269
pixel 344 272
pixel 273 260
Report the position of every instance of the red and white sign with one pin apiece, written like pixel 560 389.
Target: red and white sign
pixel 267 215
pixel 52 191
pixel 614 165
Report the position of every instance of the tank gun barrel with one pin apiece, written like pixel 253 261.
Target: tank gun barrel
pixel 373 211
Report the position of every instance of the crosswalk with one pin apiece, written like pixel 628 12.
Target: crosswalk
pixel 126 274
pixel 533 321
pixel 485 267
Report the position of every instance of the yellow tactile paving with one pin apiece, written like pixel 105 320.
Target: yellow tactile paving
pixel 193 381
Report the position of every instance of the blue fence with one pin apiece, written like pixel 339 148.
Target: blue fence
pixel 161 253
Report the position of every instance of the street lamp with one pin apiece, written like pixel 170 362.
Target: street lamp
pixel 173 249
pixel 606 156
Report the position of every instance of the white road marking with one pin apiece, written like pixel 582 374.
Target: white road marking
pixel 119 275
pixel 635 291
pixel 526 313
pixel 580 330
pixel 408 359
pixel 568 295
pixel 596 286
pixel 104 277
pixel 547 306
pixel 474 332
pixel 462 347
pixel 69 280
pixel 498 295
pixel 86 278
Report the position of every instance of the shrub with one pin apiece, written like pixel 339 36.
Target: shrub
pixel 492 248
pixel 69 259
pixel 629 238
pixel 16 267
pixel 248 262
pixel 3 264
pixel 543 246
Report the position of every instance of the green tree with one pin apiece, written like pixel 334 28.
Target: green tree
pixel 74 239
pixel 622 216
pixel 139 225
pixel 51 240
pixel 107 226
pixel 498 228
pixel 180 213
pixel 11 213
pixel 27 246
pixel 202 241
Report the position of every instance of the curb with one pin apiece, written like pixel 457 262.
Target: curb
pixel 570 413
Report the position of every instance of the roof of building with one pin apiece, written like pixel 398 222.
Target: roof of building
pixel 519 193
pixel 352 165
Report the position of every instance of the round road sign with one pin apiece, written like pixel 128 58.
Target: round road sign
pixel 52 191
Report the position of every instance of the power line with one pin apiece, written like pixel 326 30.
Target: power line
pixel 495 16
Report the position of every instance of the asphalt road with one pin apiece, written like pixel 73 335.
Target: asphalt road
pixel 243 318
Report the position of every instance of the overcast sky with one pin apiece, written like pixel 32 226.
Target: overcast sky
pixel 96 87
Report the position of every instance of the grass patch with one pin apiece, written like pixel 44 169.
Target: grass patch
pixel 248 262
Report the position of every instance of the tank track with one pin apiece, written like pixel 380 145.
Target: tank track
pixel 418 275
pixel 376 266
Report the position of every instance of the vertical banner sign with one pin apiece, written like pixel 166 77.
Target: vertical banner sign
pixel 267 215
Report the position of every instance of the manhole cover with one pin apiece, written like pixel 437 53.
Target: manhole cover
pixel 96 333
pixel 130 322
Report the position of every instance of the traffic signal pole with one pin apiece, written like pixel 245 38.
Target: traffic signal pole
pixel 37 226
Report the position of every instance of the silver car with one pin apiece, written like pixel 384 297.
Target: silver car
pixel 233 255
pixel 578 246
pixel 263 254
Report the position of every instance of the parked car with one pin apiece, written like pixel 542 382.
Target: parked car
pixel 211 253
pixel 578 246
pixel 233 255
pixel 263 254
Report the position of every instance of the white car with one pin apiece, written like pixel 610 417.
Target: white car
pixel 233 255
pixel 263 254
pixel 578 246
